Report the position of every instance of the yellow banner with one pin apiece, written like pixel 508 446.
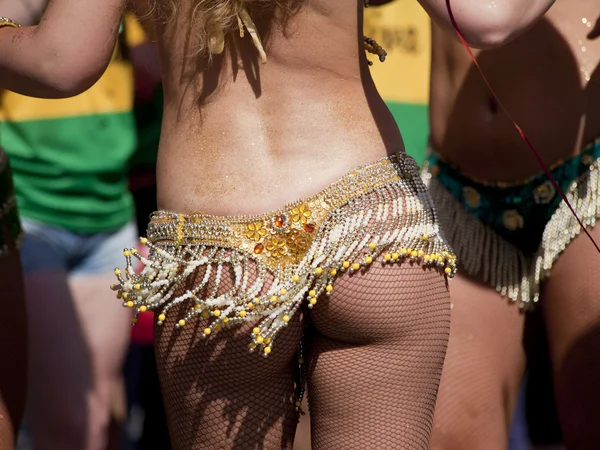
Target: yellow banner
pixel 403 29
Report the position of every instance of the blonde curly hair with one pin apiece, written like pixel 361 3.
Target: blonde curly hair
pixel 213 20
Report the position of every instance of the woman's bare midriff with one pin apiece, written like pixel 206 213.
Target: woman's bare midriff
pixel 264 135
pixel 549 80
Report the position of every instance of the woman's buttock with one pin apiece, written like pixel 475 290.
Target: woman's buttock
pixel 383 304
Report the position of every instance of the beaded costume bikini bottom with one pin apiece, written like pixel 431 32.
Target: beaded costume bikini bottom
pixel 378 213
pixel 511 234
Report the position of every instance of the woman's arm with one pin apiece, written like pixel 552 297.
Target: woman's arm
pixel 488 23
pixel 66 53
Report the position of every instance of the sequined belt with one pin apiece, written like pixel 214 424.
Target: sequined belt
pixel 381 210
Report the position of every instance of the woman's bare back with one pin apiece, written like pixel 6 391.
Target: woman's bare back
pixel 243 137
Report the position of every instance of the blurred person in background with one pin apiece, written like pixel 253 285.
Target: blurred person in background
pixel 70 161
pixel 518 244
pixel 13 324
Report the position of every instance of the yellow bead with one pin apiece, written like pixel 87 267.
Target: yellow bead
pixel 295 278
pixel 119 295
pixel 368 259
pixel 242 313
pixel 137 287
pixel 274 299
pixel 426 258
pixel 256 330
pixel 197 307
pixel 346 264
pixel 260 339
pixel 162 317
pixel 448 270
pixel 312 293
pixel 126 253
pixel 425 237
pixel 143 308
pixel 403 251
pixel 333 272
pixel 420 253
pixel 218 327
pixel 267 340
pixel 441 259
pixel 133 251
pixel 329 288
pixel 256 300
pixel 130 304
pixel 372 245
pixel 413 254
pixel 125 295
pixel 225 319
pixel 387 257
pixel 283 291
pixel 318 271
pixel 216 313
pixel 181 322
pixel 298 403
pixel 267 350
pixel 117 271
pixel 250 305
pixel 134 320
pixel 286 319
pixel 205 314
pixel 252 345
pixel 313 301
pixel 207 331
pixel 356 266
pixel 144 240
pixel 395 256
pixel 300 360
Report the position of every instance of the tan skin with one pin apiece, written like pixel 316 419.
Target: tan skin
pixel 240 137
pixel 552 88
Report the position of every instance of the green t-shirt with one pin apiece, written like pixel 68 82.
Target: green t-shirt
pixel 70 156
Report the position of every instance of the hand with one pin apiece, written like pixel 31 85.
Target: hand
pixel 595 31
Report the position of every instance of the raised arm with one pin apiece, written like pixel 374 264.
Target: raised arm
pixel 488 23
pixel 65 54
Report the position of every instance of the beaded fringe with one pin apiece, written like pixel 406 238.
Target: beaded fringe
pixel 382 212
pixel 584 196
pixel 485 254
pixel 482 252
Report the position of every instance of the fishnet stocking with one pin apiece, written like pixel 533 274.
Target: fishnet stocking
pixel 376 359
pixel 219 396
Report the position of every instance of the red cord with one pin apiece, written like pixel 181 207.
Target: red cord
pixel 521 132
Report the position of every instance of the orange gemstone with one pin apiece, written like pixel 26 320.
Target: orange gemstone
pixel 279 221
pixel 309 227
pixel 258 248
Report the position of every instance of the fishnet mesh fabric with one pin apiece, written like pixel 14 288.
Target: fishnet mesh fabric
pixel 376 359
pixel 376 348
pixel 217 394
